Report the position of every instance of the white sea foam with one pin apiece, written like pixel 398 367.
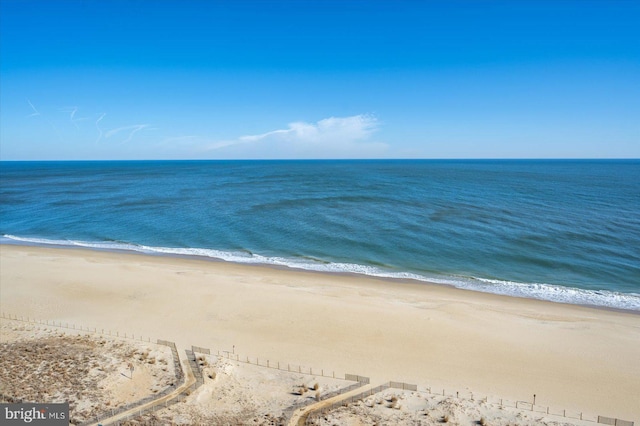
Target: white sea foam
pixel 554 293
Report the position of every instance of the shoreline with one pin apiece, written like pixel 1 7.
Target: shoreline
pixel 582 358
pixel 284 267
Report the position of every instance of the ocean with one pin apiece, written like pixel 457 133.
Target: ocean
pixel 558 230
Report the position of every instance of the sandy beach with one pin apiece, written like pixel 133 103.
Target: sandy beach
pixel 572 357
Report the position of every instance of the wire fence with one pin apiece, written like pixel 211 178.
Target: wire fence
pixel 179 376
pixel 517 404
pixel 282 366
pixel 80 328
pixel 231 355
pixel 614 422
pixel 159 405
pixel 179 372
pixel 343 403
pixel 168 402
pixel 155 407
pixel 288 412
pixel 503 403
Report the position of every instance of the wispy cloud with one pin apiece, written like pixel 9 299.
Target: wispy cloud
pixel 35 111
pixel 333 137
pixel 133 129
pixel 72 113
pixel 91 126
pixel 98 126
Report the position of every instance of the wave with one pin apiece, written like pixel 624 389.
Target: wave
pixel 542 291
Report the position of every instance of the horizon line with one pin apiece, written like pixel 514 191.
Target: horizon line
pixel 327 159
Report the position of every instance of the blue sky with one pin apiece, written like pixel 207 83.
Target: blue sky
pixel 142 79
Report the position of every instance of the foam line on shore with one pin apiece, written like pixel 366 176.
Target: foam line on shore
pixel 541 291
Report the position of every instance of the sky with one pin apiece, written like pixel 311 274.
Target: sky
pixel 196 79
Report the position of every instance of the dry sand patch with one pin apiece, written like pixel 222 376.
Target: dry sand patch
pixel 90 372
pixel 397 407
pixel 237 393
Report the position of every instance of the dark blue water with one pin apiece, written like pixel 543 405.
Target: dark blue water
pixel 567 231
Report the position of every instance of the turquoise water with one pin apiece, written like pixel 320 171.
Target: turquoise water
pixel 566 231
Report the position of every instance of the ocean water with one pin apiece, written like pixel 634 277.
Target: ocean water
pixel 565 231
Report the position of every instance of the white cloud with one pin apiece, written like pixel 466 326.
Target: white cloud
pixel 133 130
pixel 334 137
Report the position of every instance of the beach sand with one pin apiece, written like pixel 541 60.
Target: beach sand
pixel 92 373
pixel 574 358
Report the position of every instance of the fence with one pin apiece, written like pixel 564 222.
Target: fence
pixel 201 350
pixel 356 378
pixel 157 407
pixel 367 393
pixel 178 398
pixel 403 386
pixel 522 405
pixel 530 406
pixel 179 373
pixel 344 402
pixel 279 366
pixel 77 328
pixel 614 422
pixel 288 412
pixel 180 377
pixel 195 368
pixel 229 355
pixel 123 408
